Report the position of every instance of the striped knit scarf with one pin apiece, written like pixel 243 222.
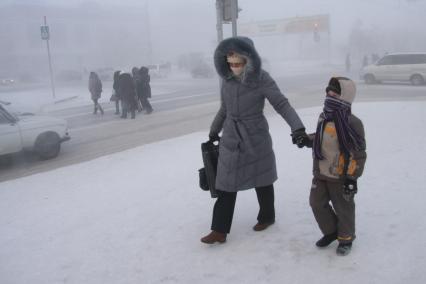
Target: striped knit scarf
pixel 338 111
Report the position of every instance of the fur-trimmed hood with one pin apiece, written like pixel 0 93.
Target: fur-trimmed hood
pixel 245 47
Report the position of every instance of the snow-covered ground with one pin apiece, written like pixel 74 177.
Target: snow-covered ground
pixel 137 216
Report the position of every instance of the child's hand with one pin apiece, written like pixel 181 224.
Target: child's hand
pixel 350 187
pixel 300 138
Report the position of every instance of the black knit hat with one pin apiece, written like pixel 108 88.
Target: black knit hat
pixel 334 86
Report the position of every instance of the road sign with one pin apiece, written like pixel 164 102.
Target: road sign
pixel 295 25
pixel 44 32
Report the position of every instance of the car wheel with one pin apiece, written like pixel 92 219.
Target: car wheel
pixel 369 79
pixel 47 145
pixel 417 80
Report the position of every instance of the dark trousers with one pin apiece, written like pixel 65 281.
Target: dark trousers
pixel 223 210
pixel 341 217
pixel 146 105
pixel 127 107
pixel 117 106
pixel 97 106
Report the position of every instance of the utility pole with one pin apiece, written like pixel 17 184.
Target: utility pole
pixel 45 35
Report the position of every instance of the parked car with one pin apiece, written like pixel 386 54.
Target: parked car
pixel 404 67
pixel 6 81
pixel 40 134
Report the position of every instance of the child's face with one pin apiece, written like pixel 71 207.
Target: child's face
pixel 333 94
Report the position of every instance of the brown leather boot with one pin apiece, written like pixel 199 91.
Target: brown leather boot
pixel 214 237
pixel 262 226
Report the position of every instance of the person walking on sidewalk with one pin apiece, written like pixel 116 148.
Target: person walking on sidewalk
pixel 246 157
pixel 95 89
pixel 136 80
pixel 143 89
pixel 115 87
pixel 348 63
pixel 127 92
pixel 339 155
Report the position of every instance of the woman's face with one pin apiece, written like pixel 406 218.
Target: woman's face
pixel 236 64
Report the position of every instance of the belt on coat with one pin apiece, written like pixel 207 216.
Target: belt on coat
pixel 241 132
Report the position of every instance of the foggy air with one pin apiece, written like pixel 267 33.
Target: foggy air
pixel 88 35
pixel 212 141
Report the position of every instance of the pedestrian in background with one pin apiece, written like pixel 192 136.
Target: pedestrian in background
pixel 126 89
pixel 95 89
pixel 348 63
pixel 115 87
pixel 144 89
pixel 136 79
pixel 246 157
pixel 374 57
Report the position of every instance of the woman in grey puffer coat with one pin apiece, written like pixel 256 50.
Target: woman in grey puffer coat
pixel 246 158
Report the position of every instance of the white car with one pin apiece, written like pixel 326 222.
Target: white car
pixel 403 67
pixel 40 134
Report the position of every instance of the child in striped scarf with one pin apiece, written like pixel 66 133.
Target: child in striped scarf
pixel 339 157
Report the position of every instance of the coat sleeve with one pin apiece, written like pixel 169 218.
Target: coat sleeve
pixel 219 119
pixel 280 102
pixel 357 158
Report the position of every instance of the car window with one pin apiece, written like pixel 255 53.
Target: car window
pixel 402 59
pixel 416 59
pixel 387 60
pixel 410 59
pixel 3 120
pixel 4 117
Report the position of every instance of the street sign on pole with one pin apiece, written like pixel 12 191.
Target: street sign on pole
pixel 44 30
pixel 45 35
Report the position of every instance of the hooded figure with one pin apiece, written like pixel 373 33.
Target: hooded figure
pixel 143 89
pixel 126 88
pixel 246 157
pixel 115 86
pixel 95 86
pixel 338 161
pixel 95 89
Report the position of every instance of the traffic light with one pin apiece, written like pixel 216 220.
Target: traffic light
pixel 229 7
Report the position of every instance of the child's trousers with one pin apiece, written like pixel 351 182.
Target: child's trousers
pixel 341 217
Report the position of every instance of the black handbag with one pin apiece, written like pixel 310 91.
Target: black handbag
pixel 207 175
